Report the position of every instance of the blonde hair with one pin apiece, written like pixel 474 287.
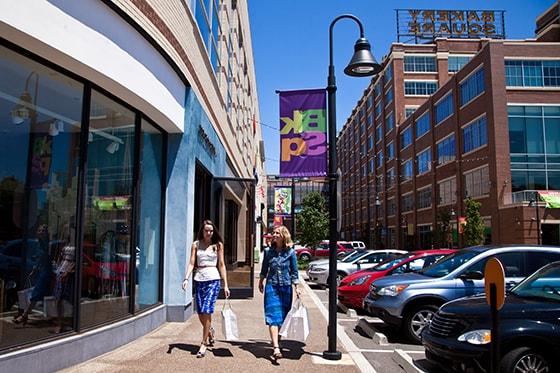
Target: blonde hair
pixel 285 234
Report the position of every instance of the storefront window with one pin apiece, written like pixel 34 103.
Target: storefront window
pixel 40 115
pixel 149 223
pixel 108 212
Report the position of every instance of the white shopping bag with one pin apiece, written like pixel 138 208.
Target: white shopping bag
pixel 296 325
pixel 50 307
pixel 229 323
pixel 24 298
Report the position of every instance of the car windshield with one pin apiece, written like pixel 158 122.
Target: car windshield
pixel 353 255
pixel 390 263
pixel 449 263
pixel 347 245
pixel 543 284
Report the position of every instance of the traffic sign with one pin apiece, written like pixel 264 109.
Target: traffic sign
pixel 494 274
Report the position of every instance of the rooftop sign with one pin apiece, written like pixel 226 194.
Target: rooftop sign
pixel 425 25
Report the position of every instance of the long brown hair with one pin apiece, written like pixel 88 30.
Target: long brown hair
pixel 216 238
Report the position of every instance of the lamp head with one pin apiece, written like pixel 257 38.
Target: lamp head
pixel 362 63
pixel 22 111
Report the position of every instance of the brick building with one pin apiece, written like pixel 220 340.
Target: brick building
pixel 451 120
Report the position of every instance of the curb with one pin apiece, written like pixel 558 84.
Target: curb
pixel 405 362
pixel 378 338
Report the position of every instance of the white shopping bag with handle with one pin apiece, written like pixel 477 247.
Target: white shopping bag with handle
pixel 296 325
pixel 229 323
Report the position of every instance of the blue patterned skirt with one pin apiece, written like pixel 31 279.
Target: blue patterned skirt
pixel 277 303
pixel 206 293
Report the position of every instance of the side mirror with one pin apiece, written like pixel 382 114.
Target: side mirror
pixel 474 275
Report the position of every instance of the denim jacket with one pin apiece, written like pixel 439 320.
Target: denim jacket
pixel 279 268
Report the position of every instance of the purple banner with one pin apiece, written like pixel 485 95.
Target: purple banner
pixel 303 133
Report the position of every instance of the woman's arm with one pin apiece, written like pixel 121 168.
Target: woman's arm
pixel 222 267
pixel 190 267
pixel 264 270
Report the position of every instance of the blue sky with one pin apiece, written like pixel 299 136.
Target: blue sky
pixel 290 46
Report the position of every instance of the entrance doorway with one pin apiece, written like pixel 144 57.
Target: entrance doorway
pixel 550 234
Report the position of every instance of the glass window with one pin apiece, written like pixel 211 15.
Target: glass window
pixel 424 161
pixel 444 108
pixel 108 212
pixel 446 150
pixel 40 145
pixel 378 133
pixel 388 74
pixel 407 202
pixel 389 96
pixel 423 124
pixel 391 177
pixel 379 108
pixel 406 137
pixel 390 122
pixel 407 170
pixel 419 87
pixel 424 198
pixel 390 151
pixel 147 255
pixel 472 87
pixel 447 191
pixel 456 63
pixel 477 182
pixel 408 111
pixel 532 73
pixel 419 63
pixel 475 135
pixel 379 159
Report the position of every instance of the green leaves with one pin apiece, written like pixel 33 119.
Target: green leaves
pixel 313 221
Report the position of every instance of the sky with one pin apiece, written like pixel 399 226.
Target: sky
pixel 290 41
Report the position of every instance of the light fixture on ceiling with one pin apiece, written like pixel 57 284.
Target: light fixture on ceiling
pixel 25 108
pixel 112 147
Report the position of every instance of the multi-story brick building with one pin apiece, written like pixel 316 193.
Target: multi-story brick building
pixel 451 120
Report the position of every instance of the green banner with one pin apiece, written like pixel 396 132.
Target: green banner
pixel 552 198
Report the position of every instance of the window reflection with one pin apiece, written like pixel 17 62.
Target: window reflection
pixel 108 212
pixel 40 112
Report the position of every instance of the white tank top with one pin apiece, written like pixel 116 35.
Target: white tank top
pixel 207 263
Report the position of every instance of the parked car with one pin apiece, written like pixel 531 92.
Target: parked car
pixel 353 288
pixel 410 300
pixel 318 272
pixel 322 250
pixel 459 335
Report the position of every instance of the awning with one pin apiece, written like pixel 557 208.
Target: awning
pixel 552 198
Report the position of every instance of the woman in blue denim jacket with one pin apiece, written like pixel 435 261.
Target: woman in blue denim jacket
pixel 279 268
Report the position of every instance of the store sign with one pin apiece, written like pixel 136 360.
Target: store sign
pixel 206 142
pixel 303 133
pixel 427 24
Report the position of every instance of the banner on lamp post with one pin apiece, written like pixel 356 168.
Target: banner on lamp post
pixel 278 220
pixel 303 133
pixel 282 201
pixel 552 198
pixel 462 223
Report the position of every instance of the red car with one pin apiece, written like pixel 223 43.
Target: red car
pixel 354 288
pixel 322 250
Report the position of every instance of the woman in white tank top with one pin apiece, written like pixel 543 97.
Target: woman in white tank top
pixel 207 259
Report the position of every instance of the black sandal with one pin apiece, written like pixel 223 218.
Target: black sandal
pixel 277 354
pixel 211 337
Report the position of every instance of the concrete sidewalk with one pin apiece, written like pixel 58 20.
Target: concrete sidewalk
pixel 173 346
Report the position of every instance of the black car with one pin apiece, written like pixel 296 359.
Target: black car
pixel 459 334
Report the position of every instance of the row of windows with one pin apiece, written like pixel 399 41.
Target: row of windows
pixel 532 73
pixel 472 87
pixel 444 108
pixel 420 87
pixel 475 135
pixel 423 124
pixel 414 63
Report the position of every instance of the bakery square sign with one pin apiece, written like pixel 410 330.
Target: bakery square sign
pixel 422 24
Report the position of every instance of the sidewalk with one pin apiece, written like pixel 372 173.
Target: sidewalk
pixel 173 346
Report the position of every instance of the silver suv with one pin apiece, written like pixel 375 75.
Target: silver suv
pixel 410 300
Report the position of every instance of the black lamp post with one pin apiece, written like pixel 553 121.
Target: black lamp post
pixel 362 64
pixel 378 228
pixel 535 202
pixel 452 215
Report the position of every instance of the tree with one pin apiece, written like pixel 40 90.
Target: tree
pixel 313 220
pixel 474 229
pixel 443 235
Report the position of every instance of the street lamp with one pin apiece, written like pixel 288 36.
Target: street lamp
pixel 377 227
pixel 362 64
pixel 535 202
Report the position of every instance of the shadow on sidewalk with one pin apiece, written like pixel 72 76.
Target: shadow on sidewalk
pixel 193 349
pixel 260 349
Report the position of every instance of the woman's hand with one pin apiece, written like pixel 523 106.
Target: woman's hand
pixel 226 291
pixel 261 286
pixel 185 284
pixel 298 291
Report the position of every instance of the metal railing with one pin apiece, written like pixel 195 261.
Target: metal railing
pixel 524 196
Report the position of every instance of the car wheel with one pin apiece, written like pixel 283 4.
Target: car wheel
pixel 417 319
pixel 339 277
pixel 525 360
pixel 305 257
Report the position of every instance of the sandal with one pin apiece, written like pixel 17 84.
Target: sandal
pixel 200 354
pixel 21 319
pixel 277 354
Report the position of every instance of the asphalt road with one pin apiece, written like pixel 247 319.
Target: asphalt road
pixel 384 358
